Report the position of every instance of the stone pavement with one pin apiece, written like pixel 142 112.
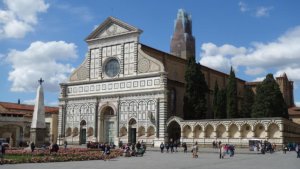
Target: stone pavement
pixel 179 160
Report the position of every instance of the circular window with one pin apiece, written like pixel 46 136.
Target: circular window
pixel 112 68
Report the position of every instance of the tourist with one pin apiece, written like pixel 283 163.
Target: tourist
pixel 106 152
pixel 138 145
pixel 195 150
pixel 184 147
pixel 171 146
pixel 285 148
pixel 167 147
pixel 32 146
pixel 162 147
pixel 2 153
pixel 65 144
pixel 221 152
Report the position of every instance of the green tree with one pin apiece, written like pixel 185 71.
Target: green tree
pixel 221 104
pixel 269 101
pixel 194 102
pixel 248 101
pixel 215 100
pixel 231 96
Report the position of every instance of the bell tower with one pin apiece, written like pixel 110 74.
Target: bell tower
pixel 183 42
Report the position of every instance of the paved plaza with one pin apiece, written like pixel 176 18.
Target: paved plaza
pixel 179 160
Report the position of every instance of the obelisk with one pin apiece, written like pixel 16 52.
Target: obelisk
pixel 38 130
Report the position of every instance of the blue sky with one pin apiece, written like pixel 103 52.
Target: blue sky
pixel 45 38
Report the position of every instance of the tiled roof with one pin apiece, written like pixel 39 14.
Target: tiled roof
pixel 294 111
pixel 25 107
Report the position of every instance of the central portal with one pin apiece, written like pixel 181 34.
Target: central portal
pixel 132 131
pixel 107 125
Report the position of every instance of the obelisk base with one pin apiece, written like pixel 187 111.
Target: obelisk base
pixel 38 136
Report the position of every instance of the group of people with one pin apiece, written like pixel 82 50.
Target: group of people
pixel 172 146
pixel 226 149
pixel 135 149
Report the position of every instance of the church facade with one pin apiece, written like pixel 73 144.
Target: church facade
pixel 127 91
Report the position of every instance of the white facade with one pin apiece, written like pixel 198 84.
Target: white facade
pixel 117 94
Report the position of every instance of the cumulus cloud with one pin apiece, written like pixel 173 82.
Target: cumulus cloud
pixel 297 104
pixel 219 57
pixel 243 6
pixel 263 11
pixel 279 56
pixel 19 17
pixel 41 59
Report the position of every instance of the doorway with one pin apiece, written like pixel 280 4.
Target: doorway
pixel 132 131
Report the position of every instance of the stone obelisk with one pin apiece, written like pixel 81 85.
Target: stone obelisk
pixel 38 131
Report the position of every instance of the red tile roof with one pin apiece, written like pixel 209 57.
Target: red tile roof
pixel 25 107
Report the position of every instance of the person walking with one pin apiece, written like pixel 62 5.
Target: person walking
pixel 184 147
pixel 162 147
pixel 32 146
pixel 106 152
pixel 195 150
pixel 167 147
pixel 2 153
pixel 65 144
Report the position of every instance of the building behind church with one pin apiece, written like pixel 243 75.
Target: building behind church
pixel 127 91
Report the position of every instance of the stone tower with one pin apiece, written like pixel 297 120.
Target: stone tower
pixel 38 131
pixel 183 42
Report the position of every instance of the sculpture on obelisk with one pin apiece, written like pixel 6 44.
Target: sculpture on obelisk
pixel 38 131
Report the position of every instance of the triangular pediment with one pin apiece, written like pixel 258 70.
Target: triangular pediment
pixel 112 27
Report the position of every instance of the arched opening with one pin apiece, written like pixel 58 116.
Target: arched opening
pixel 221 131
pixel 13 134
pixel 174 131
pixel 107 123
pixel 151 131
pixel 132 130
pixel 233 131
pixel 141 131
pixel 90 131
pixel 82 132
pixel 260 131
pixel 187 132
pixel 198 133
pixel 274 131
pixel 75 132
pixel 246 131
pixel 209 131
pixel 123 132
pixel 68 132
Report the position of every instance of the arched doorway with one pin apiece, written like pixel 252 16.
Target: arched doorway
pixel 108 123
pixel 132 131
pixel 174 131
pixel 82 132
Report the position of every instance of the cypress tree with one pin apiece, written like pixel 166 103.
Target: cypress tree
pixel 231 95
pixel 194 102
pixel 221 104
pixel 215 106
pixel 248 101
pixel 269 101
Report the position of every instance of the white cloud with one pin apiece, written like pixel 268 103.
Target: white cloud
pixel 254 71
pixel 279 56
pixel 30 101
pixel 219 57
pixel 243 6
pixel 259 79
pixel 297 104
pixel 19 17
pixel 263 11
pixel 41 59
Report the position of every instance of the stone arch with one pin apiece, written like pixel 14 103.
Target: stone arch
pixel 221 131
pixel 246 131
pixel 174 130
pixel 123 132
pixel 209 130
pixel 132 128
pixel 90 131
pixel 187 131
pixel 233 131
pixel 198 131
pixel 75 132
pixel 141 131
pixel 151 131
pixel 274 131
pixel 260 131
pixel 68 132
